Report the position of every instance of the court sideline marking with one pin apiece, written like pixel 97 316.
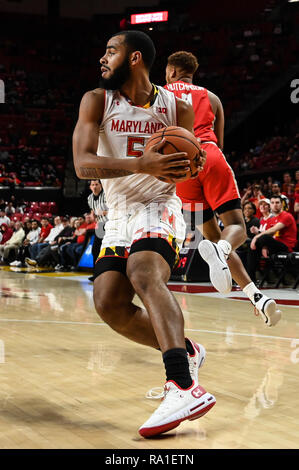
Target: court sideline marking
pixel 59 322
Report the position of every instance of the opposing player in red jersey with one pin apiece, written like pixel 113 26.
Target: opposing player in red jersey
pixel 215 188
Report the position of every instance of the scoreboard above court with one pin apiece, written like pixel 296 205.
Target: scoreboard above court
pixel 154 17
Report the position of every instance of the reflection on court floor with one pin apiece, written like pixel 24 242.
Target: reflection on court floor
pixel 69 381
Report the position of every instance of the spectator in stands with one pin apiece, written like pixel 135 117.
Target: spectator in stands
pixel 267 216
pixel 290 194
pixel 68 255
pixel 72 251
pixel 254 195
pixel 269 185
pixel 50 254
pixel 30 239
pixel 249 211
pixel 3 217
pixel 9 209
pixel 20 206
pixel 34 250
pixel 46 228
pixel 276 192
pixel 280 237
pixel 13 244
pixel 6 233
pixel 27 226
pixel 12 225
pixel 287 180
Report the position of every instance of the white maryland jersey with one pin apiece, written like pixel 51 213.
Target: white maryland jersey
pixel 124 132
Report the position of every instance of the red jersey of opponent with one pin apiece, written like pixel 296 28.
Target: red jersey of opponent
pixel 198 97
pixel 288 235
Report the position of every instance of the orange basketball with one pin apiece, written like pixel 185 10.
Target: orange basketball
pixel 177 139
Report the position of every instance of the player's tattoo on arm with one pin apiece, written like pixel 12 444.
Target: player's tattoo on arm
pixel 104 173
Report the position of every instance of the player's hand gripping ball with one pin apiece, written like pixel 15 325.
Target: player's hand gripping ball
pixel 178 139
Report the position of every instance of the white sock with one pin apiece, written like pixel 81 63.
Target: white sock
pixel 250 290
pixel 225 246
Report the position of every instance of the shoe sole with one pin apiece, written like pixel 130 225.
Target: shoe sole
pixel 206 403
pixel 219 272
pixel 272 312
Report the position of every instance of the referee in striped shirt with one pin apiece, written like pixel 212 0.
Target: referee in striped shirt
pixel 97 203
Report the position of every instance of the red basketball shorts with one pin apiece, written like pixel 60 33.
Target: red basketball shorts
pixel 214 186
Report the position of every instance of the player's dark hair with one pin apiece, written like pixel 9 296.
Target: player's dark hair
pixel 139 41
pixel 184 60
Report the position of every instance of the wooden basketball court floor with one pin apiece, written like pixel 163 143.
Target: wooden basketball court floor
pixel 67 381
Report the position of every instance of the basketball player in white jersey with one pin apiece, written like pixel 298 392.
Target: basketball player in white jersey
pixel 145 228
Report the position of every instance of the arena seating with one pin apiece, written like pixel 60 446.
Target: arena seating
pixel 43 86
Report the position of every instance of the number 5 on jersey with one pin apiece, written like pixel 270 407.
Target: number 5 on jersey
pixel 134 142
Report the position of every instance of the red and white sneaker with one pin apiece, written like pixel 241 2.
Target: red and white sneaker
pixel 196 360
pixel 177 406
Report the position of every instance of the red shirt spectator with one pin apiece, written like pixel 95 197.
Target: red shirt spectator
pixel 45 230
pixel 256 197
pixel 82 229
pixel 288 235
pixel 253 194
pixel 266 223
pixel 89 224
pixel 6 233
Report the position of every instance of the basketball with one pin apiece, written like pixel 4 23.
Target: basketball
pixel 177 139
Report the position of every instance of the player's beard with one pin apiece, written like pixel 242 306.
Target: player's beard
pixel 119 77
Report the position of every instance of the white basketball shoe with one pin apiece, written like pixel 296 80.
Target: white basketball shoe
pixel 177 406
pixel 220 274
pixel 266 308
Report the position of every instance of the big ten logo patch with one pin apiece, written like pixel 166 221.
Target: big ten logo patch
pixel 295 93
pixel 2 92
pixel 161 110
pixel 2 352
